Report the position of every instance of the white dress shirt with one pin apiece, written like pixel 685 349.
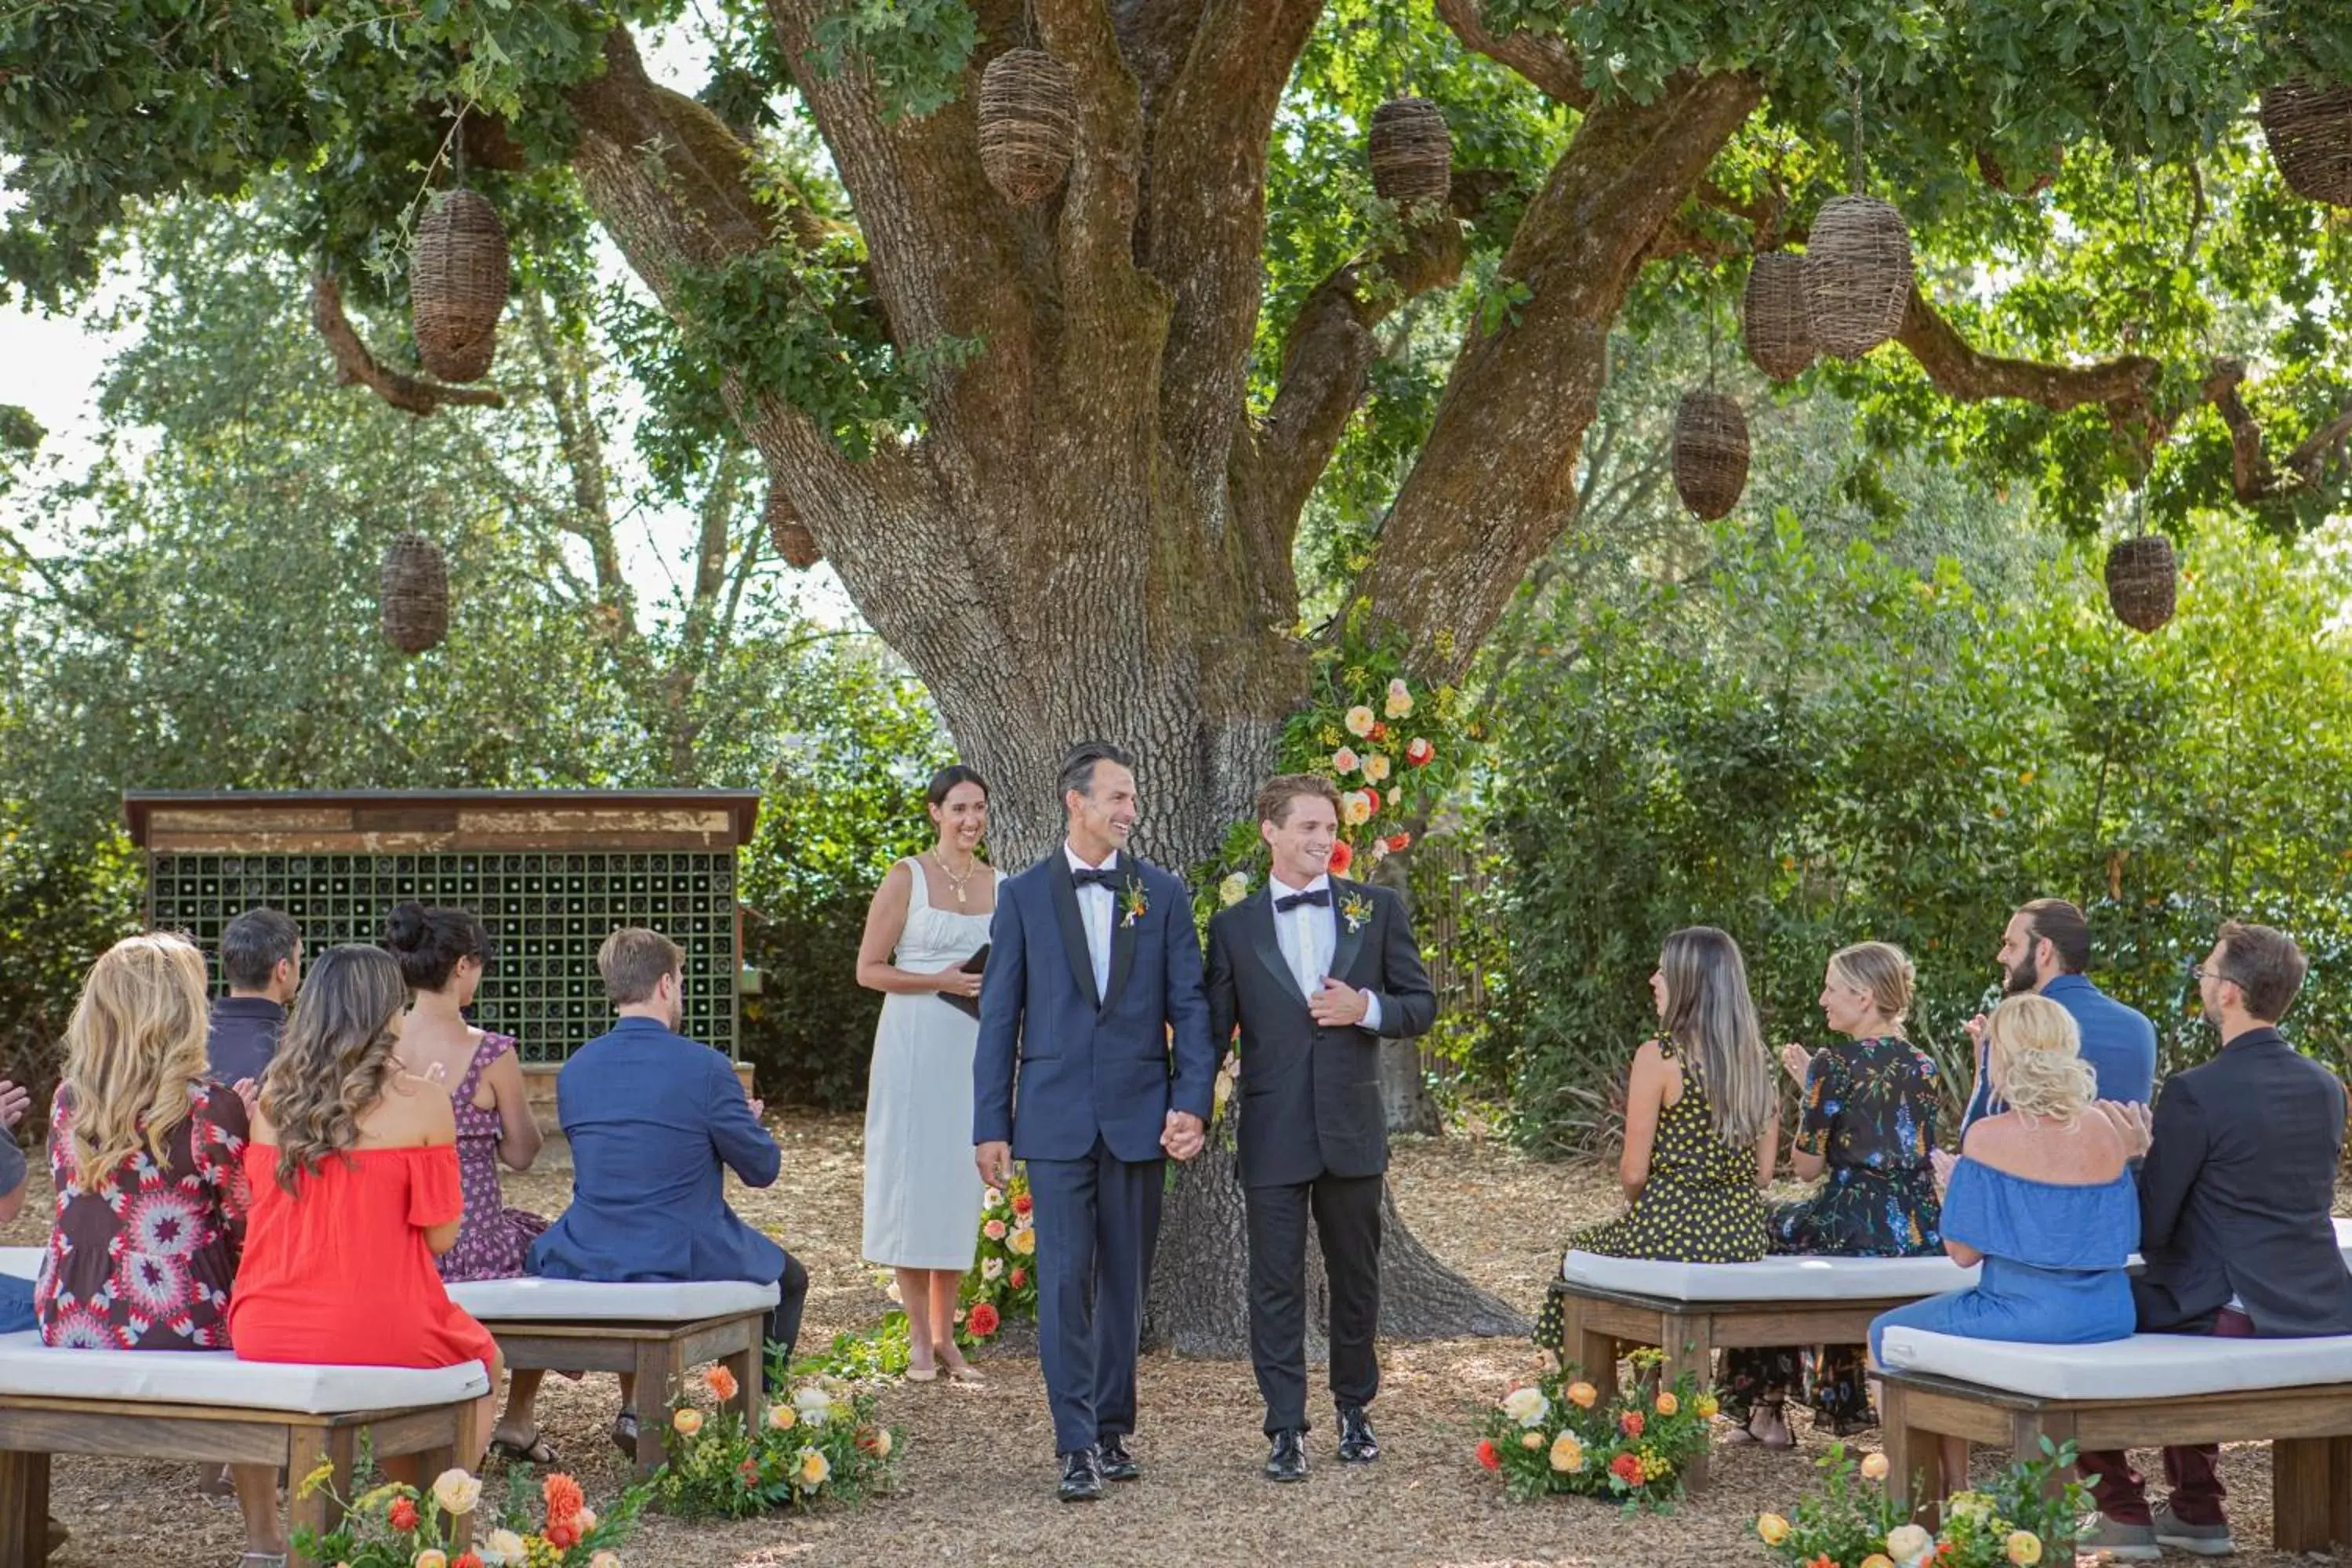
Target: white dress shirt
pixel 1308 935
pixel 1098 907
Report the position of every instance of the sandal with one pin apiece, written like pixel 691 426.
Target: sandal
pixel 624 1435
pixel 533 1450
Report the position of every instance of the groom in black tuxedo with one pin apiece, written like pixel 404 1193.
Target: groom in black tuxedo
pixel 1316 969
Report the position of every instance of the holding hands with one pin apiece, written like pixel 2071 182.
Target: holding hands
pixel 1183 1136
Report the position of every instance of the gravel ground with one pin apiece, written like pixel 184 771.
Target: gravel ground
pixel 976 1482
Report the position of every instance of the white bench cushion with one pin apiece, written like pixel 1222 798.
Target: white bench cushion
pixel 538 1301
pixel 218 1377
pixel 1791 1279
pixel 2145 1366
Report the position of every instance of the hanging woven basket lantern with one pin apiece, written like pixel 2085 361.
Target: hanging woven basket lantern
pixel 2142 579
pixel 457 285
pixel 1028 124
pixel 1710 452
pixel 791 537
pixel 1411 151
pixel 1857 275
pixel 1775 323
pixel 413 596
pixel 2309 129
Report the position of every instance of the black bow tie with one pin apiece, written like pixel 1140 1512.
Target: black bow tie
pixel 1085 878
pixel 1289 902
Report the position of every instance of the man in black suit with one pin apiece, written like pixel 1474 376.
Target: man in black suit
pixel 1316 969
pixel 2235 1196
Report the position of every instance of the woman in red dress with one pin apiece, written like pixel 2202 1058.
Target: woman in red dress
pixel 353 1169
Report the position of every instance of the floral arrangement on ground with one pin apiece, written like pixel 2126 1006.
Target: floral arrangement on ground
pixel 821 1443
pixel 1558 1434
pixel 397 1526
pixel 2027 1516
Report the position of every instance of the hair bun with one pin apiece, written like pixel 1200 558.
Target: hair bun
pixel 404 928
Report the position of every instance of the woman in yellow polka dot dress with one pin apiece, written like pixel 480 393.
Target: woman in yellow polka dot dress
pixel 1702 1122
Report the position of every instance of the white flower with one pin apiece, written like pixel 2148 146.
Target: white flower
pixel 1360 721
pixel 991 1200
pixel 1527 1407
pixel 1399 700
pixel 1233 890
pixel 892 1292
pixel 1355 809
pixel 1344 761
pixel 992 1268
pixel 1376 766
pixel 504 1549
pixel 1909 1545
pixel 814 1404
pixel 457 1492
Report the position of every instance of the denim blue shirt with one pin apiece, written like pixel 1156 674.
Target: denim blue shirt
pixel 2117 1041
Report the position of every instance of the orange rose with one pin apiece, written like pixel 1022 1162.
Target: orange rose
pixel 721 1383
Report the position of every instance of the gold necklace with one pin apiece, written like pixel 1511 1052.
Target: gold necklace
pixel 972 869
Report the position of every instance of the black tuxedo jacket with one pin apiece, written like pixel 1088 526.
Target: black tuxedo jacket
pixel 2236 1190
pixel 1310 1097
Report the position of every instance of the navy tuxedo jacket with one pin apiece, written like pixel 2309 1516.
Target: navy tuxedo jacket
pixel 1057 1065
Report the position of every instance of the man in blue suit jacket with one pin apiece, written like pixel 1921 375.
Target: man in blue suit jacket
pixel 1093 967
pixel 655 1120
pixel 2046 948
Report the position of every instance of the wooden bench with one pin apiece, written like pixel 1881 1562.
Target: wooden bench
pixel 208 1407
pixel 2148 1391
pixel 1690 1311
pixel 655 1330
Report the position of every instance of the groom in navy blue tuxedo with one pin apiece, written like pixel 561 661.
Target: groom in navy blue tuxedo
pixel 1092 999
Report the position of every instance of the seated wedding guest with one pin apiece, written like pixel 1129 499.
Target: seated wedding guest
pixel 1701 1129
pixel 2234 1202
pixel 353 1169
pixel 1871 1105
pixel 15 1177
pixel 655 1121
pixel 2041 1197
pixel 442 953
pixel 2045 948
pixel 261 959
pixel 144 1152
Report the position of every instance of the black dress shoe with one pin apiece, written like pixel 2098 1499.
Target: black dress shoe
pixel 1115 1462
pixel 1287 1460
pixel 1081 1479
pixel 1356 1444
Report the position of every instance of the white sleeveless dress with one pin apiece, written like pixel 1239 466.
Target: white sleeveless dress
pixel 922 1188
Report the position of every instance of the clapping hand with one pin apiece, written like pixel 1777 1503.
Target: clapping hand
pixel 1336 1005
pixel 2134 1123
pixel 1183 1136
pixel 1976 1029
pixel 1798 1060
pixel 14 1101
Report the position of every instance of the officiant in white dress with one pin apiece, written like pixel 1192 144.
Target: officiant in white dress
pixel 929 917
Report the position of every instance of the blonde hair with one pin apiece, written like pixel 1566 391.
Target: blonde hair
pixel 133 1048
pixel 336 1058
pixel 1711 1018
pixel 1880 971
pixel 2034 1052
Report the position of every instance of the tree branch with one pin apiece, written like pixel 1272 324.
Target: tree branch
pixel 2252 475
pixel 1962 371
pixel 1544 60
pixel 355 365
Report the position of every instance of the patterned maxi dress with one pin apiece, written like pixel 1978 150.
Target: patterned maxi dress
pixel 493 1239
pixel 1699 1206
pixel 1870 1112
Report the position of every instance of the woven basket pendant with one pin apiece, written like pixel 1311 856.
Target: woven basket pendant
pixel 457 279
pixel 413 596
pixel 1710 457
pixel 1775 326
pixel 2309 129
pixel 1857 275
pixel 1028 124
pixel 1411 151
pixel 2142 581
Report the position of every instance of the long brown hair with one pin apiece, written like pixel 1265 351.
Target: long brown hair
pixel 336 1058
pixel 133 1046
pixel 1711 1018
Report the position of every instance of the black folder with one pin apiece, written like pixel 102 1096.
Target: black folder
pixel 972 965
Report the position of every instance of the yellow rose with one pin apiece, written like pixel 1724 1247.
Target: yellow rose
pixel 1376 767
pixel 782 1417
pixel 1772 1528
pixel 606 1559
pixel 1873 1467
pixel 1023 1241
pixel 1667 1403
pixel 1582 1395
pixel 1531 1441
pixel 2024 1548
pixel 1706 1404
pixel 1567 1453
pixel 1360 721
pixel 1877 1560
pixel 813 1469
pixel 431 1557
pixel 882 1444
pixel 687 1421
pixel 457 1492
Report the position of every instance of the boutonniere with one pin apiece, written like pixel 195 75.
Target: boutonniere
pixel 1355 910
pixel 1131 901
